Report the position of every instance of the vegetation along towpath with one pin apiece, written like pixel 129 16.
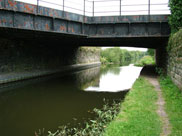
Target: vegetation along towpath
pixel 143 111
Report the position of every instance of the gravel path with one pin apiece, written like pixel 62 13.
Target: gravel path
pixel 166 129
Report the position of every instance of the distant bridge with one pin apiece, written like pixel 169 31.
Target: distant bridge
pixel 21 20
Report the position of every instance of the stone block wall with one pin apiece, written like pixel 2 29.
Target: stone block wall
pixel 22 56
pixel 18 56
pixel 175 58
pixel 88 55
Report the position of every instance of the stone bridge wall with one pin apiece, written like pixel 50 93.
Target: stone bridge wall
pixel 21 56
pixel 175 58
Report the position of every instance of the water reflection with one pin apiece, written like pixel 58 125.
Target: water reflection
pixel 48 103
pixel 87 78
pixel 115 79
pixel 105 69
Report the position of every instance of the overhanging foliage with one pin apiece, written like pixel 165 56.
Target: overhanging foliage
pixel 175 20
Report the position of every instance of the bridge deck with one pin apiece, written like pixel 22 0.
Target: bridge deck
pixel 18 17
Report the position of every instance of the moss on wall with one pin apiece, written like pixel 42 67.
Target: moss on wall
pixel 175 58
pixel 175 42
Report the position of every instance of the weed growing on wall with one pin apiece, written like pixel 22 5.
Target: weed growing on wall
pixel 175 42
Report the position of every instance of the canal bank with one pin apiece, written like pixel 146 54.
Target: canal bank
pixel 17 76
pixel 137 116
pixel 144 111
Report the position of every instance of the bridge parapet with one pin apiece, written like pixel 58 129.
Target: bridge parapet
pixel 22 16
pixel 44 11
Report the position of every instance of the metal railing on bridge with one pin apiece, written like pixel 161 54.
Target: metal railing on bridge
pixel 106 7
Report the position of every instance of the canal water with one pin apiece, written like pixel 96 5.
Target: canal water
pixel 26 107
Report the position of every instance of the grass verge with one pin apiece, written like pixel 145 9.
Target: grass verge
pixel 173 106
pixel 138 116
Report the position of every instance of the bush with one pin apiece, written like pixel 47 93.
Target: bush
pixel 146 60
pixel 103 60
pixel 175 20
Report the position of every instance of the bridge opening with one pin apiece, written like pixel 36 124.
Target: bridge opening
pixel 128 55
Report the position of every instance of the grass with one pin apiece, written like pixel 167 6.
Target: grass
pixel 138 116
pixel 173 106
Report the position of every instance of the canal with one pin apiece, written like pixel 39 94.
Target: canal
pixel 27 106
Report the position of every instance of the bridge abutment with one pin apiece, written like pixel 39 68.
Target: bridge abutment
pixel 174 65
pixel 161 57
pixel 31 58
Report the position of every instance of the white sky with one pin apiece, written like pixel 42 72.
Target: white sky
pixel 107 7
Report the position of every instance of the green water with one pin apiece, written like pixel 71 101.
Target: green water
pixel 26 107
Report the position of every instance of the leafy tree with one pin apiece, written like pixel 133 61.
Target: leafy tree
pixel 120 56
pixel 175 20
pixel 151 52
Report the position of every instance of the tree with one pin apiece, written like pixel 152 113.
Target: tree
pixel 175 19
pixel 120 56
pixel 151 52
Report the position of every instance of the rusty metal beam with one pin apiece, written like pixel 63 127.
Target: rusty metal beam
pixel 46 23
pixel 23 17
